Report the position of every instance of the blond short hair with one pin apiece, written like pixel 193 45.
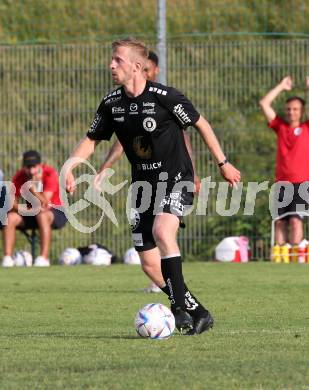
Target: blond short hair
pixel 139 47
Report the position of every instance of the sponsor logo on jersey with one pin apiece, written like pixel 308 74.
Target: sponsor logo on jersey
pixel 112 100
pixel 297 131
pixel 181 114
pixel 118 110
pixel 149 167
pixel 176 205
pixel 141 147
pixel 175 195
pixel 149 111
pixel 158 90
pixel 149 104
pixel 137 239
pixel 95 123
pixel 119 119
pixel 149 108
pixel 149 124
pixel 135 219
pixel 114 93
pixel 133 107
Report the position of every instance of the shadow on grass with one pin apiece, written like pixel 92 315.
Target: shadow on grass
pixel 75 337
pixel 71 336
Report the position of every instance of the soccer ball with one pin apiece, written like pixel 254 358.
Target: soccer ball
pixel 70 256
pixel 98 256
pixel 155 321
pixel 132 257
pixel 22 259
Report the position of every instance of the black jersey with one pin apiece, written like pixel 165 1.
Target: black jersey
pixel 149 127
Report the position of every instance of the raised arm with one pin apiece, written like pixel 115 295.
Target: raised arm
pixel 266 102
pixel 228 171
pixel 83 150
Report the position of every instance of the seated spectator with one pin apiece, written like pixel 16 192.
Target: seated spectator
pixel 44 186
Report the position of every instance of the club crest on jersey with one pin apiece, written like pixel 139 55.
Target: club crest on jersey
pixel 149 124
pixel 297 131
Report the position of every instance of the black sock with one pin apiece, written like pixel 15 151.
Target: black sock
pixel 193 306
pixel 166 290
pixel 172 273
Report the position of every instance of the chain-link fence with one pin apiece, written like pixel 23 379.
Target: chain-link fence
pixel 49 95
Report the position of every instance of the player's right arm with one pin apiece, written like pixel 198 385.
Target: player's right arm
pixel 114 154
pixel 100 129
pixel 266 102
pixel 83 151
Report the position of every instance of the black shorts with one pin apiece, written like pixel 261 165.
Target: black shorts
pixel 176 203
pixel 298 204
pixel 60 220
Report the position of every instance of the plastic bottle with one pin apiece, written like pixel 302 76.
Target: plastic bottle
pixel 302 251
pixel 275 254
pixel 243 243
pixel 285 251
pixel 294 257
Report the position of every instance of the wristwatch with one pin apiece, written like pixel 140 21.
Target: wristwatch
pixel 222 163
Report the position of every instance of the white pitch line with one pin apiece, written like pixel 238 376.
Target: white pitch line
pixel 265 331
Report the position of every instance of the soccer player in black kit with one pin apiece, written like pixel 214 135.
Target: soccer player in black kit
pixel 151 259
pixel 148 119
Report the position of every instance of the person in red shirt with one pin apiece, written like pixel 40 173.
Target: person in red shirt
pixel 44 186
pixel 292 160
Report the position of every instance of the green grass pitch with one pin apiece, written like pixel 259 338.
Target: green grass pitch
pixel 72 328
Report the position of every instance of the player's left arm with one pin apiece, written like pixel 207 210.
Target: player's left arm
pixel 186 115
pixel 228 171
